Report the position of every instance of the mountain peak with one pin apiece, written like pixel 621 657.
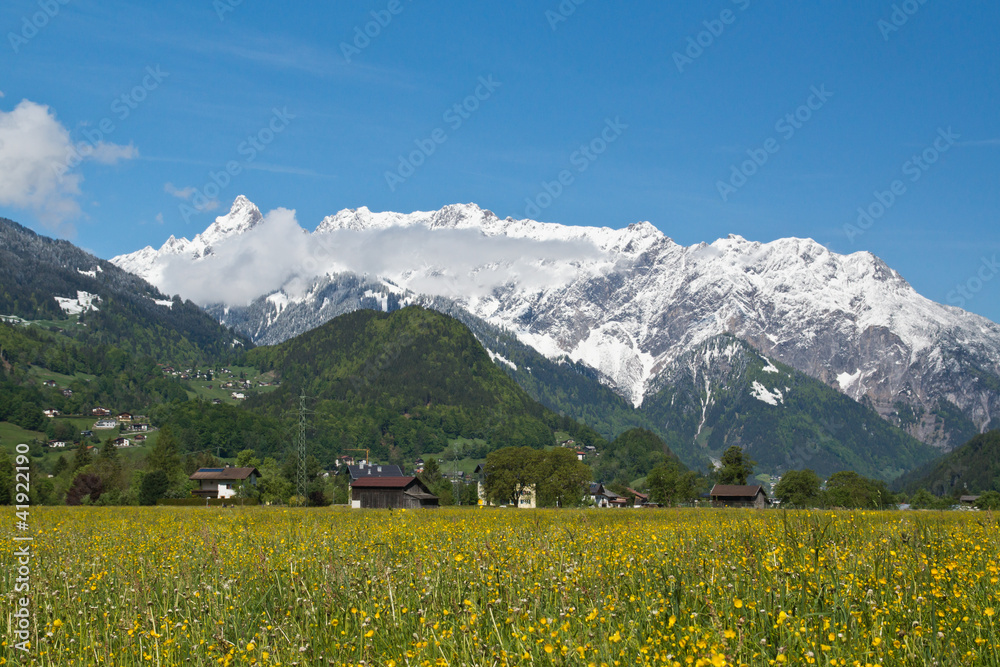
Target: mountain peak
pixel 242 217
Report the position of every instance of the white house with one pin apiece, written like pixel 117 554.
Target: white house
pixel 106 424
pixel 223 482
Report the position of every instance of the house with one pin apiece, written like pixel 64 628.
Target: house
pixel 67 392
pixel 364 469
pixel 50 413
pixel 138 428
pixel 640 498
pixel 216 401
pixel 57 443
pixel 106 424
pixel 122 442
pixel 733 495
pixel 372 492
pixel 140 438
pixel 86 434
pixel 223 482
pixel 602 497
pixel 100 412
pixel 580 455
pixel 968 500
pixel 125 417
pixel 238 395
pixel 49 383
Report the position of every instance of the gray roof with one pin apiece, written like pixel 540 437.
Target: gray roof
pixel 376 470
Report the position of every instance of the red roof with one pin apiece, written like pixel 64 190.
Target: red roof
pixel 382 482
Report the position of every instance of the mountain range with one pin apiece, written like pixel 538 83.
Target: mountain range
pixel 628 306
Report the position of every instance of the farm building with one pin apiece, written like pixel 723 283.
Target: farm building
pixel 391 493
pixel 223 482
pixel 732 495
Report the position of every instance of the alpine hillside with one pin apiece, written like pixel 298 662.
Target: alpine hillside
pixel 629 303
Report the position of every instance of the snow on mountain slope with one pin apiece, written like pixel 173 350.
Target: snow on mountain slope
pixel 630 301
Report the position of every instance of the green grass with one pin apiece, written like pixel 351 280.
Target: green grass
pixel 11 435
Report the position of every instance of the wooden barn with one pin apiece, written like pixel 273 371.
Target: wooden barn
pixel 391 493
pixel 732 495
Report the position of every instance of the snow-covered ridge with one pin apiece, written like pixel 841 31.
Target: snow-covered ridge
pixel 242 217
pixel 629 301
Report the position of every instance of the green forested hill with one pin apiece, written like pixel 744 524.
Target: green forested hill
pixel 34 270
pixel 726 393
pixel 403 384
pixel 972 468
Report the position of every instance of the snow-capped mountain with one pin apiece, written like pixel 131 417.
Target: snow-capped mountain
pixel 629 302
pixel 144 263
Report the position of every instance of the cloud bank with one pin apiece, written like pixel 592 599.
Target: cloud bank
pixel 38 162
pixel 279 254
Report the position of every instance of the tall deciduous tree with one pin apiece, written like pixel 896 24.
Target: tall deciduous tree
pixel 561 479
pixel 799 488
pixel 736 467
pixel 509 471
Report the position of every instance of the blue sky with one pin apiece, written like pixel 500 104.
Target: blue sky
pixel 886 82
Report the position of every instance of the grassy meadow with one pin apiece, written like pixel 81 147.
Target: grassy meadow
pixel 270 586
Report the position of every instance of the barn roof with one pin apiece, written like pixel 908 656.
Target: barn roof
pixel 224 473
pixel 382 482
pixel 736 491
pixel 376 470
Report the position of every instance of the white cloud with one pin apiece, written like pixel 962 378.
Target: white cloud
pixel 38 162
pixel 159 218
pixel 1 94
pixel 184 194
pixel 241 268
pixel 279 254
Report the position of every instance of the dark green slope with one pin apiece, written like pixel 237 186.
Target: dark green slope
pixel 403 384
pixel 561 385
pixel 35 269
pixel 712 399
pixel 972 468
